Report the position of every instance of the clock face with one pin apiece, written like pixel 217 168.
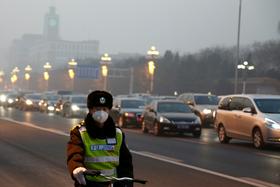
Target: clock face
pixel 52 22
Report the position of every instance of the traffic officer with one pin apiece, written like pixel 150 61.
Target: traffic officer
pixel 97 144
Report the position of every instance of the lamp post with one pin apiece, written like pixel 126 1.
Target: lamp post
pixel 14 76
pixel 245 67
pixel 27 69
pixel 2 73
pixel 71 71
pixel 237 48
pixel 152 54
pixel 47 68
pixel 105 61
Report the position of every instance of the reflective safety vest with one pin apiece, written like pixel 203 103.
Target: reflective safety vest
pixel 101 154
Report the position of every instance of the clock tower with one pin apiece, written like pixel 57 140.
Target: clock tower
pixel 51 25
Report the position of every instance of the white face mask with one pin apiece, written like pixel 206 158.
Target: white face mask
pixel 100 116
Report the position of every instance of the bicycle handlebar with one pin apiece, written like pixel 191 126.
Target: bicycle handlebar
pixel 114 179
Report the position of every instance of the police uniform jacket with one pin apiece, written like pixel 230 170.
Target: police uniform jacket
pixel 75 149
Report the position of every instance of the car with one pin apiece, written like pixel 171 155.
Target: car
pixel 127 111
pixel 48 103
pixel 30 102
pixel 12 100
pixel 3 96
pixel 163 116
pixel 203 105
pixel 75 106
pixel 249 117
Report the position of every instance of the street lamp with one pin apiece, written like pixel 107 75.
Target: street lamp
pixel 105 61
pixel 47 68
pixel 152 54
pixel 27 69
pixel 246 67
pixel 71 71
pixel 2 73
pixel 14 76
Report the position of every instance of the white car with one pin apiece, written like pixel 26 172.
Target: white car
pixel 249 117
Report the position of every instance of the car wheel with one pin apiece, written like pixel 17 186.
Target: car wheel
pixel 223 138
pixel 197 134
pixel 157 130
pixel 258 139
pixel 144 128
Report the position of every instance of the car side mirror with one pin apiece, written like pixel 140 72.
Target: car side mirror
pixel 249 110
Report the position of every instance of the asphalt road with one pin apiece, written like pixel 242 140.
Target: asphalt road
pixel 36 156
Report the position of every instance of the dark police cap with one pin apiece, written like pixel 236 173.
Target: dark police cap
pixel 99 99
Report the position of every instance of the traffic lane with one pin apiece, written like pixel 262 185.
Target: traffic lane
pixel 46 120
pixel 34 157
pixel 31 157
pixel 160 174
pixel 210 159
pixel 233 160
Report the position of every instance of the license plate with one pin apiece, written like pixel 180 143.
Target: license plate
pixel 182 126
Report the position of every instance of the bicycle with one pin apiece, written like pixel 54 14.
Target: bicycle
pixel 112 180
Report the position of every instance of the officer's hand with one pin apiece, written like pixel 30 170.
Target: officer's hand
pixel 78 173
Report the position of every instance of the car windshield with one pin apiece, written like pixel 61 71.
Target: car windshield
pixel 13 96
pixel 173 108
pixel 52 97
pixel 132 103
pixel 268 105
pixel 64 92
pixel 206 100
pixel 36 97
pixel 78 99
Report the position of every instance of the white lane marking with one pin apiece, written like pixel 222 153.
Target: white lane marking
pixel 160 156
pixel 260 182
pixel 268 155
pixel 36 126
pixel 199 169
pixel 153 156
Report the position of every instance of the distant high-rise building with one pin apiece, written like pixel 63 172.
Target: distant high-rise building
pixel 37 49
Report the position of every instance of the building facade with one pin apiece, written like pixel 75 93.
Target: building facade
pixel 36 49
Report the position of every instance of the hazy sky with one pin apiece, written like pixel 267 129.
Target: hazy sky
pixel 133 26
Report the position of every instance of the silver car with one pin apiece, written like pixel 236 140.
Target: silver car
pixel 203 106
pixel 249 117
pixel 75 106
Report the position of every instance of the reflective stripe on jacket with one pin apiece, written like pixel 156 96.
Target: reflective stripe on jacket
pixel 101 154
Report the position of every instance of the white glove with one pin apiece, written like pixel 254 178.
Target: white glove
pixel 78 173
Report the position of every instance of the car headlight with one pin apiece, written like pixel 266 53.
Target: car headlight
pixel 10 101
pixel 51 108
pixel 3 98
pixel 75 107
pixel 163 120
pixel 28 102
pixel 272 124
pixel 41 102
pixel 206 111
